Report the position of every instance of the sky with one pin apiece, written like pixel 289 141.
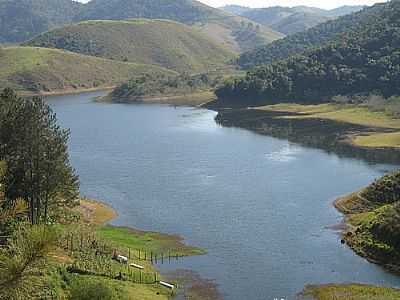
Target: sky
pixel 327 4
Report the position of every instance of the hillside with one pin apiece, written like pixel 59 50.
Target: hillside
pixel 373 215
pixel 234 32
pixel 38 70
pixel 164 43
pixel 290 20
pixel 317 36
pixel 285 19
pixel 21 20
pixel 364 61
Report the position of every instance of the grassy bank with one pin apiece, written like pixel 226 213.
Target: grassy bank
pixel 349 292
pixel 73 266
pixel 384 129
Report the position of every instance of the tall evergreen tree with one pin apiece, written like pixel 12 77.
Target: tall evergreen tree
pixel 35 149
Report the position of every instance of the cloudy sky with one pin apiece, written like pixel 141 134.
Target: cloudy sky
pixel 266 3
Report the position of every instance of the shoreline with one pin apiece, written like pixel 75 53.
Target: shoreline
pixel 196 99
pixel 323 133
pixel 68 91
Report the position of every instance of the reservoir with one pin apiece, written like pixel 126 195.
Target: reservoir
pixel 261 206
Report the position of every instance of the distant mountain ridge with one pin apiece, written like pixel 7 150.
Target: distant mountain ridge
pixel 361 57
pixel 289 20
pixel 314 37
pixel 21 20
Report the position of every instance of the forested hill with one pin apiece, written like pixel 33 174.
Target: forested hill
pixel 366 60
pixel 168 44
pixel 317 36
pixel 21 20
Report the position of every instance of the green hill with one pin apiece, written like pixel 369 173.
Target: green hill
pixel 317 36
pixel 38 70
pixel 164 43
pixel 363 61
pixel 232 31
pixel 290 20
pixel 285 19
pixel 21 20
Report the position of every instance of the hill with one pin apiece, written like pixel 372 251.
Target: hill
pixel 317 36
pixel 285 19
pixel 21 20
pixel 290 20
pixel 235 9
pixel 37 70
pixel 363 61
pixel 164 43
pixel 234 32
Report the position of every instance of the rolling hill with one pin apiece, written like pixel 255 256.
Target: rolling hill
pixel 290 20
pixel 23 19
pixel 164 43
pixel 37 70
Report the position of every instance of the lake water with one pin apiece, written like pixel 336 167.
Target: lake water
pixel 261 206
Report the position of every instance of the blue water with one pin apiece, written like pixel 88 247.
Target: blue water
pixel 262 207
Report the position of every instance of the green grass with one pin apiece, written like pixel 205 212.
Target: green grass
pixel 353 114
pixel 155 242
pixel 45 70
pixel 350 292
pixel 164 43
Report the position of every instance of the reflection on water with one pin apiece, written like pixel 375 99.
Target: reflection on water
pixel 261 206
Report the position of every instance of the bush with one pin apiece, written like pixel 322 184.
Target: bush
pixel 86 289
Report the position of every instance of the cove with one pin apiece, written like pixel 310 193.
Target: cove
pixel 261 206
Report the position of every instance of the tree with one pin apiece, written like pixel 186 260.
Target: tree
pixel 35 149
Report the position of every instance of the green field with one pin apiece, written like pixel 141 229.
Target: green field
pixel 350 292
pixel 154 242
pixel 35 70
pixel 349 114
pixel 164 43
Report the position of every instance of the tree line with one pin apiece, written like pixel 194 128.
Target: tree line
pixel 365 62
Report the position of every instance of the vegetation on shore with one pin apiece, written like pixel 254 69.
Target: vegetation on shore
pixel 349 292
pixel 54 245
pixel 195 89
pixel 373 216
pixel 37 70
pixel 164 43
pixel 384 125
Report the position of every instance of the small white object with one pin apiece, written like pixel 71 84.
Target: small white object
pixel 166 284
pixel 137 266
pixel 122 259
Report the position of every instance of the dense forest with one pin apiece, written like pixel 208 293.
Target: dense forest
pixel 363 61
pixel 318 36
